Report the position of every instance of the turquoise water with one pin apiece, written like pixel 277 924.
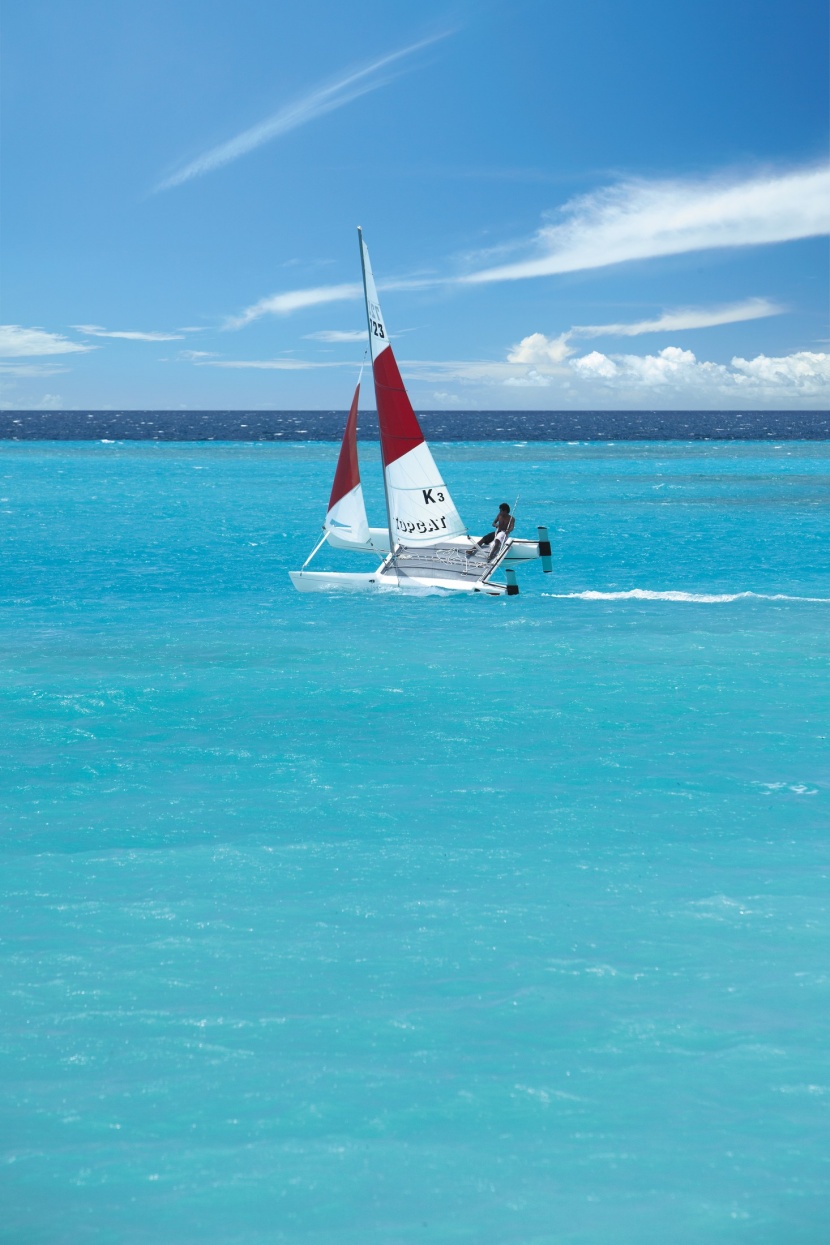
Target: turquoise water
pixel 378 920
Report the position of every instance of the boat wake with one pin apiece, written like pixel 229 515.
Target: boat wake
pixel 698 598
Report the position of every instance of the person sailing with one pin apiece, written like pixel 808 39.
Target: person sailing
pixel 503 525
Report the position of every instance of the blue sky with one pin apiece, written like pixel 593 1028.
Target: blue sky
pixel 591 204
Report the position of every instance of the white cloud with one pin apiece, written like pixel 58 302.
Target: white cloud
pixel 192 356
pixel 595 365
pixel 637 220
pixel 803 375
pixel 473 371
pixel 16 342
pixel 531 380
pixel 538 349
pixel 95 330
pixel 550 353
pixel 336 335
pixel 278 365
pixel 295 300
pixel 671 378
pixel 807 371
pixel 642 220
pixel 321 100
pixel 685 318
pixel 30 369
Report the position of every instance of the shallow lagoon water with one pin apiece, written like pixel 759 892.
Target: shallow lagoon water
pixel 380 919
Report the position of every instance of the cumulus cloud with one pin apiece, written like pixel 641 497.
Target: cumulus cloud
pixel 643 220
pixel 807 371
pixel 95 330
pixel 803 375
pixel 16 342
pixel 530 380
pixel 596 364
pixel 323 99
pixel 670 378
pixel 538 349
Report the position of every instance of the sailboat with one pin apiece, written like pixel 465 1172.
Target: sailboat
pixel 425 544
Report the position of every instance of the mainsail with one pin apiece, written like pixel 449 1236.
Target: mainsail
pixel 421 511
pixel 346 517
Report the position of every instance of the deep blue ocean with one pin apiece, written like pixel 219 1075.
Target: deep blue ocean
pixel 378 920
pixel 438 425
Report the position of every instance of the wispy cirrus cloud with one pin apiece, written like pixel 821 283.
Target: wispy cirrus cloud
pixel 295 300
pixel 336 335
pixel 298 300
pixel 274 365
pixel 645 220
pixel 685 318
pixel 31 369
pixel 18 342
pixel 95 330
pixel 323 99
pixel 633 220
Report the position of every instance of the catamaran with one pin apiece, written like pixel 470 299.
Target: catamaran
pixel 425 545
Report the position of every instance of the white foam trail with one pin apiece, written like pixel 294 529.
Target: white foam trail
pixel 700 598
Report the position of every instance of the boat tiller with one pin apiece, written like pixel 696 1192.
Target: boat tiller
pixel 544 549
pixel 512 586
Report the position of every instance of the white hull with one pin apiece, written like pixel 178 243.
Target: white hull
pixel 444 567
pixel 518 550
pixel 335 581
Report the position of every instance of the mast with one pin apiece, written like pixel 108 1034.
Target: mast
pixel 392 541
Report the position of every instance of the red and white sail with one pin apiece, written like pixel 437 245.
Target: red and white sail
pixel 421 511
pixel 346 517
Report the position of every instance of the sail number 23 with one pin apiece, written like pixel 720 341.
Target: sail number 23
pixel 375 321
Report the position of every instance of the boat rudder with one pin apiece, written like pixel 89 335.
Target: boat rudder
pixel 544 550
